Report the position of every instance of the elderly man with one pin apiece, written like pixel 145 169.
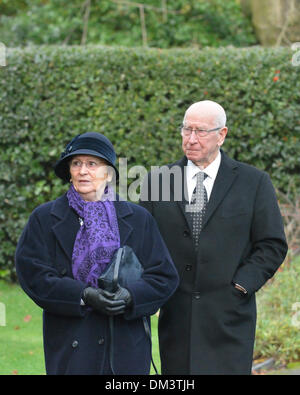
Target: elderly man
pixel 226 237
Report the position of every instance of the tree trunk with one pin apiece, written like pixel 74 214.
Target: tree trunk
pixel 246 7
pixel 276 22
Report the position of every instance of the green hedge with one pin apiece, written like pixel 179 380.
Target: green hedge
pixel 137 98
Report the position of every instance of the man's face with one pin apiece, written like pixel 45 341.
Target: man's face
pixel 202 150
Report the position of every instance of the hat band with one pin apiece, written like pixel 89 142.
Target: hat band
pixel 90 143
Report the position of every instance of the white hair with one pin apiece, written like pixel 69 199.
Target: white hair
pixel 212 107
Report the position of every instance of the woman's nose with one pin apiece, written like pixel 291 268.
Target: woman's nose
pixel 83 168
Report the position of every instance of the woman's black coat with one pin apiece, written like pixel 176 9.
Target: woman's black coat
pixel 76 339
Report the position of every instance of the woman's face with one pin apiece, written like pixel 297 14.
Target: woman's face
pixel 89 175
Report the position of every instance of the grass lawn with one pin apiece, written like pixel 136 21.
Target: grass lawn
pixel 277 335
pixel 21 350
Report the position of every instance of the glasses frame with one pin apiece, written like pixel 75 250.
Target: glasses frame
pixel 87 164
pixel 198 132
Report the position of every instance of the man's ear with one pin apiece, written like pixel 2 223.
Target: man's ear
pixel 222 136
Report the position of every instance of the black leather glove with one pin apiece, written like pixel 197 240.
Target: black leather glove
pixel 121 294
pixel 101 303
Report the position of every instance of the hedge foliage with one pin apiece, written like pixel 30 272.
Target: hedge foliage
pixel 137 98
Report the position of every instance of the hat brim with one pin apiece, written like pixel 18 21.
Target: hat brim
pixel 61 168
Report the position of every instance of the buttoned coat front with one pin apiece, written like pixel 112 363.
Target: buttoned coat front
pixel 76 339
pixel 208 326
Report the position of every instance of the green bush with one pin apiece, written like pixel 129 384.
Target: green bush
pixel 137 98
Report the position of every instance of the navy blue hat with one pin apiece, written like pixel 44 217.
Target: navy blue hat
pixel 89 143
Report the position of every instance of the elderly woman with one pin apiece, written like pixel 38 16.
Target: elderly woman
pixel 66 245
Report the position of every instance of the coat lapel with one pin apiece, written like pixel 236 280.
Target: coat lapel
pixel 225 177
pixel 182 202
pixel 66 225
pixel 123 209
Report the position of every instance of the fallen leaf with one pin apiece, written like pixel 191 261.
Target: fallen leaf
pixel 16 328
pixel 27 318
pixel 15 372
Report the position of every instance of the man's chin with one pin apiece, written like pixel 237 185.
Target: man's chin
pixel 193 156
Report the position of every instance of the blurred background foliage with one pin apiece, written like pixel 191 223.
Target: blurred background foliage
pixel 152 23
pixel 176 23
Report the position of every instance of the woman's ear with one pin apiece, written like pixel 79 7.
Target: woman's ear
pixel 110 173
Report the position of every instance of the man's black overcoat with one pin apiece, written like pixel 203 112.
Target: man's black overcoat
pixel 208 326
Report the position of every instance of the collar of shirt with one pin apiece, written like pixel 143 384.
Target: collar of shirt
pixel 211 170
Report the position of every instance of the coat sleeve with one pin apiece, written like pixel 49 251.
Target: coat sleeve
pixel 39 277
pixel 160 278
pixel 268 240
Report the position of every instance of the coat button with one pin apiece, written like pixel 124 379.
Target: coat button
pixel 188 268
pixel 101 341
pixel 186 233
pixel 197 295
pixel 75 344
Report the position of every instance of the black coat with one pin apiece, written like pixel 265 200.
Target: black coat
pixel 208 326
pixel 76 339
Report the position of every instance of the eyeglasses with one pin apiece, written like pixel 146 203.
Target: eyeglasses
pixel 90 164
pixel 186 132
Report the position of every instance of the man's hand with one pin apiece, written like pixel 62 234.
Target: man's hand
pixel 101 303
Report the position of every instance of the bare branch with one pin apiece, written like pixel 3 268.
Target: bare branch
pixel 87 6
pixel 143 25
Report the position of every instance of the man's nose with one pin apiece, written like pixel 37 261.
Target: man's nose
pixel 193 138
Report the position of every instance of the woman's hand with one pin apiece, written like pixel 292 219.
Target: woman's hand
pixel 121 294
pixel 101 303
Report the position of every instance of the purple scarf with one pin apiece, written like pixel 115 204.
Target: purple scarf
pixel 98 236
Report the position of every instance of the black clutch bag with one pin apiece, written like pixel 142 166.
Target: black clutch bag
pixel 124 267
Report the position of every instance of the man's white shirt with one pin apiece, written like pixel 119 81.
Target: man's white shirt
pixel 211 170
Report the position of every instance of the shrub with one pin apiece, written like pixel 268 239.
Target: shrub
pixel 137 98
pixel 278 323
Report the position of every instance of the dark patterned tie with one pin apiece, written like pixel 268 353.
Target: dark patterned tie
pixel 199 201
